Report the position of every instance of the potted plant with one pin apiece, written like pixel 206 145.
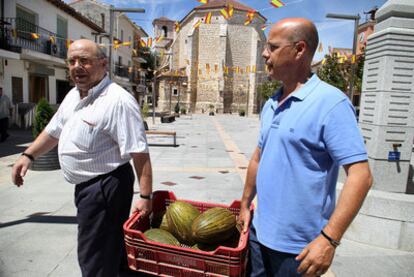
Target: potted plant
pixel 43 114
pixel 183 111
pixel 144 115
pixel 211 107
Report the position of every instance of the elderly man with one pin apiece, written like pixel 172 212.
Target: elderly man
pixel 5 113
pixel 99 129
pixel 308 130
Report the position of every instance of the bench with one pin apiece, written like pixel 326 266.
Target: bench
pixel 164 133
pixel 167 118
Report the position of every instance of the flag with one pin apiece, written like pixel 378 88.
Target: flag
pixel 225 13
pixel 197 24
pixel 353 59
pixel 142 43
pixel 52 39
pixel 159 39
pixel 277 3
pixel 264 27
pixel 230 10
pixel 250 15
pixel 320 48
pixel 68 43
pixel 34 36
pixel 247 22
pixel 126 43
pixel 323 61
pixel 177 26
pixel 203 1
pixel 253 69
pixel 248 69
pixel 149 42
pixel 207 19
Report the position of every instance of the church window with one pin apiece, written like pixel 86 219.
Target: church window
pixel 165 30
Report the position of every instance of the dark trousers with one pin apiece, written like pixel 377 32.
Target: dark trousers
pixel 103 205
pixel 265 262
pixel 4 125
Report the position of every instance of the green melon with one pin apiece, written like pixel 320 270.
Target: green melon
pixel 180 216
pixel 161 236
pixel 214 225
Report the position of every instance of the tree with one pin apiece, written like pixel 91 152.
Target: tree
pixel 43 114
pixel 333 72
pixel 265 90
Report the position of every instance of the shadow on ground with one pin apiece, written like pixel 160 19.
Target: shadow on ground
pixel 15 143
pixel 41 218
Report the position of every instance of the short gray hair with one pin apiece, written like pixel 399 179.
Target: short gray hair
pixel 101 52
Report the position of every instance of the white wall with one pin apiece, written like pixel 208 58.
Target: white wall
pixel 124 51
pixel 15 68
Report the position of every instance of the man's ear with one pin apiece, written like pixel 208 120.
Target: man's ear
pixel 300 48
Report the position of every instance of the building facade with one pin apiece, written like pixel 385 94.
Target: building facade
pixel 34 39
pixel 125 61
pixel 221 60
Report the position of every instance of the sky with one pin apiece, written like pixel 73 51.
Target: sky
pixel 332 32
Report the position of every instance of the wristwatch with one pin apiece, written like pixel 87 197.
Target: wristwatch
pixel 148 197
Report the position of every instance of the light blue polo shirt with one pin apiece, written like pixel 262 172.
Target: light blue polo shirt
pixel 303 142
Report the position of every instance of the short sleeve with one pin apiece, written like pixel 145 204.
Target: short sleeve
pixel 342 136
pixel 54 128
pixel 127 128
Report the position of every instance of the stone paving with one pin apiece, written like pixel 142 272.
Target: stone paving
pixel 38 227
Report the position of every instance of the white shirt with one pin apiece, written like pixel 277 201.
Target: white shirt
pixel 97 133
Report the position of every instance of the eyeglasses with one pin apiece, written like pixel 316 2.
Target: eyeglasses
pixel 270 47
pixel 82 61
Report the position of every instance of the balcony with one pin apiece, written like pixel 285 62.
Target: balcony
pixel 16 34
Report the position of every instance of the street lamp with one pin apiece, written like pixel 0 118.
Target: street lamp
pixel 112 10
pixel 356 19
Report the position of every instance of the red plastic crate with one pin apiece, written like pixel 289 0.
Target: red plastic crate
pixel 167 260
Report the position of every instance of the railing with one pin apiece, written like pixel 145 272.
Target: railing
pixel 121 71
pixel 18 34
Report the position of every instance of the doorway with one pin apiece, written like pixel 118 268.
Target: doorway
pixel 38 88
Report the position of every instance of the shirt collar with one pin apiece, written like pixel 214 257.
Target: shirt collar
pixel 307 88
pixel 94 92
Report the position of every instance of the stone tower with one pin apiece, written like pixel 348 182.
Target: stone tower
pixel 222 60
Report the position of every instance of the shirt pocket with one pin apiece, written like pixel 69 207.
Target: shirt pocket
pixel 84 134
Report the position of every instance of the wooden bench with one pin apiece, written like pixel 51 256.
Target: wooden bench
pixel 163 133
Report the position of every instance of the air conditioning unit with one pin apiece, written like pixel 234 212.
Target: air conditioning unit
pixel 53 49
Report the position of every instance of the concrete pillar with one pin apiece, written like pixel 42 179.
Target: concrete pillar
pixel 387 105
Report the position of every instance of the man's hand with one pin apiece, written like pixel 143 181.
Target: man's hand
pixel 19 170
pixel 316 257
pixel 244 218
pixel 143 206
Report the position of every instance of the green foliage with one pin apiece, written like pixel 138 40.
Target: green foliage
pixel 43 114
pixel 211 107
pixel 339 74
pixel 267 89
pixel 333 73
pixel 145 111
pixel 149 57
pixel 183 111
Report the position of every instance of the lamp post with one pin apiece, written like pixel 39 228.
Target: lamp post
pixel 112 10
pixel 356 19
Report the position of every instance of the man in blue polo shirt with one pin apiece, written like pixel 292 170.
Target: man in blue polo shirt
pixel 308 130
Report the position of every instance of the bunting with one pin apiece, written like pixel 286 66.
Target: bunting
pixel 126 43
pixel 134 52
pixel 277 3
pixel 203 1
pixel 142 43
pixel 52 39
pixel 34 36
pixel 149 42
pixel 353 60
pixel 197 24
pixel 159 39
pixel 225 14
pixel 68 43
pixel 207 19
pixel 264 27
pixel 177 26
